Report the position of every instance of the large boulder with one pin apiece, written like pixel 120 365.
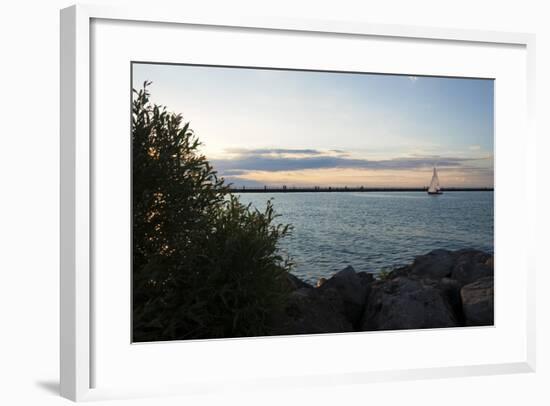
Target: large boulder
pixel 296 283
pixel 436 264
pixel 365 277
pixel 450 291
pixel 471 265
pixel 310 311
pixel 478 302
pixel 406 303
pixel 401 271
pixel 353 288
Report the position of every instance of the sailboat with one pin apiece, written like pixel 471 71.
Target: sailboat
pixel 434 188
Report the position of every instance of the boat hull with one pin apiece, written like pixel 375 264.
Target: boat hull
pixel 435 193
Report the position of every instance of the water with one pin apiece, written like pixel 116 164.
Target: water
pixel 376 231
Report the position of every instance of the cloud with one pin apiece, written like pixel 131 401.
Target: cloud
pixel 283 160
pixel 273 151
pixel 475 147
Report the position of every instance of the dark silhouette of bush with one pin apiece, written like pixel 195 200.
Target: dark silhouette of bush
pixel 204 265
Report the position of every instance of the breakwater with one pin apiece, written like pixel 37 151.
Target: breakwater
pixel 340 189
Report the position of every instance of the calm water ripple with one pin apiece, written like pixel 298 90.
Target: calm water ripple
pixel 374 231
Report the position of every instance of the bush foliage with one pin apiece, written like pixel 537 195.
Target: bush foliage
pixel 204 265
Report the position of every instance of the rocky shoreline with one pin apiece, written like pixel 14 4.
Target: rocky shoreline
pixel 440 289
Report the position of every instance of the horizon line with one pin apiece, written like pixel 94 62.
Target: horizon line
pixel 284 189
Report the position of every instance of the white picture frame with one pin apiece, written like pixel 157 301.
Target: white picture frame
pixel 77 219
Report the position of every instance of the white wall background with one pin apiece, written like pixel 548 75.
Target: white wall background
pixel 29 203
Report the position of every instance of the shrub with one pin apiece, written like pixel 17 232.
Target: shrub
pixel 204 265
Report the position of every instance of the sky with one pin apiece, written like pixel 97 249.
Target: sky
pixel 295 128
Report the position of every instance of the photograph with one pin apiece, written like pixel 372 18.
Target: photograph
pixel 277 202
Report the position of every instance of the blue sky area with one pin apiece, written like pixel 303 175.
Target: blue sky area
pixel 294 128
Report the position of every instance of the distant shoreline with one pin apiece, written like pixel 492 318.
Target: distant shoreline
pixel 349 189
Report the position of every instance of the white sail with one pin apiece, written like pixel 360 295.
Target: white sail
pixel 434 184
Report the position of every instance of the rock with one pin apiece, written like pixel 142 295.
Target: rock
pixel 450 290
pixel 311 311
pixel 365 277
pixel 490 262
pixel 471 265
pixel 405 303
pixel 436 264
pixel 478 302
pixel 440 289
pixel 352 288
pixel 401 271
pixel 349 284
pixel 296 283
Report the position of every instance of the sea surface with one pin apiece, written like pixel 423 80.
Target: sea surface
pixel 374 231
